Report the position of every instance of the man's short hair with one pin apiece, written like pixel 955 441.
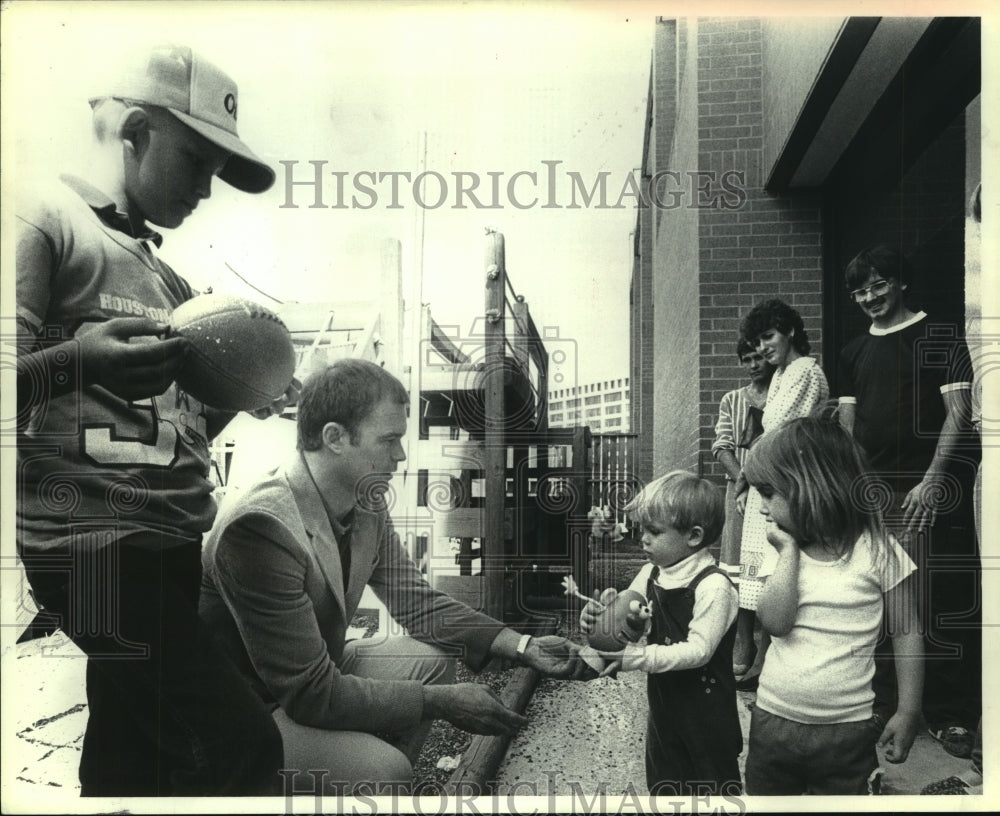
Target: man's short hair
pixel 345 392
pixel 743 348
pixel 882 261
pixel 683 501
pixel 776 314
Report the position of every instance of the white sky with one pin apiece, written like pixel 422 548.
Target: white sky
pixel 496 89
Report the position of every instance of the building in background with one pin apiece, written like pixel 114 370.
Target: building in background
pixel 602 406
pixel 774 151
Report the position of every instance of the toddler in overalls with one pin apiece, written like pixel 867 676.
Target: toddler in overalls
pixel 693 734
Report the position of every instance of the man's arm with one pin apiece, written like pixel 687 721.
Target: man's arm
pixel 426 613
pixel 918 506
pixel 476 708
pixel 847 402
pixel 846 410
pixel 434 617
pixel 550 654
pixel 725 441
pixel 727 459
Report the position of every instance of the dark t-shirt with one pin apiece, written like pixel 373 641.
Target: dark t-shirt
pixel 898 378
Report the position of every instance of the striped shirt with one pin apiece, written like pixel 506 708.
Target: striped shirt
pixel 739 424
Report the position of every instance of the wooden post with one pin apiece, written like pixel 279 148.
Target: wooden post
pixel 577 519
pixel 391 308
pixel 581 469
pixel 520 340
pixel 495 454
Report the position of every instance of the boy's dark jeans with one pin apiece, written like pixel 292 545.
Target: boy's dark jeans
pixel 169 713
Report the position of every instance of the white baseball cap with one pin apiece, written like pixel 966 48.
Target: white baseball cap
pixel 201 96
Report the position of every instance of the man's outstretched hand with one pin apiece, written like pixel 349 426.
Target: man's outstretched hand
pixel 557 657
pixel 473 707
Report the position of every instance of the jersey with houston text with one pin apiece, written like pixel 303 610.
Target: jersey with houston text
pixel 93 467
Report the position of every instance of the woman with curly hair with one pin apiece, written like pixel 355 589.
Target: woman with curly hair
pixel 797 388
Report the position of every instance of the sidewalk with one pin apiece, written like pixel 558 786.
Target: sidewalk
pixel 579 736
pixel 43 729
pixel 583 734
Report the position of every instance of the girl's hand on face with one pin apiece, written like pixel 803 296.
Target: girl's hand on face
pixel 778 537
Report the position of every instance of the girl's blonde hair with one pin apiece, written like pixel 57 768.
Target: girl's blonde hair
pixel 818 468
pixel 681 500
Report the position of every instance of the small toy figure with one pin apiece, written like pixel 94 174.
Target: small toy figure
pixel 638 614
pixel 622 620
pixel 604 530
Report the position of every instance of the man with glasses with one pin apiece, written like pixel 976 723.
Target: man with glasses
pixel 905 394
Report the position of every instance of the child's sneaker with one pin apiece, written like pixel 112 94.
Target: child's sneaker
pixel 952 786
pixel 955 739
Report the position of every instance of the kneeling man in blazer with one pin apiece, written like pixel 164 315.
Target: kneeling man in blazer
pixel 284 569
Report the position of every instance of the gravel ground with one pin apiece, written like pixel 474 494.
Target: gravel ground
pixel 445 740
pixel 569 745
pixel 581 738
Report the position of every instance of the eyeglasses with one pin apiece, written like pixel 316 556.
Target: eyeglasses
pixel 877 289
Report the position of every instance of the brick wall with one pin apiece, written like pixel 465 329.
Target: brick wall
pixel 767 246
pixel 719 253
pixel 771 248
pixel 725 250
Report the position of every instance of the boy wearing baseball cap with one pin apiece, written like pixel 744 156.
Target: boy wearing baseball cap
pixel 113 459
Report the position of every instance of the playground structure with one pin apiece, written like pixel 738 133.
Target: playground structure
pixel 491 502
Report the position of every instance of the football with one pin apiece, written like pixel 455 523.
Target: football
pixel 240 357
pixel 614 628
